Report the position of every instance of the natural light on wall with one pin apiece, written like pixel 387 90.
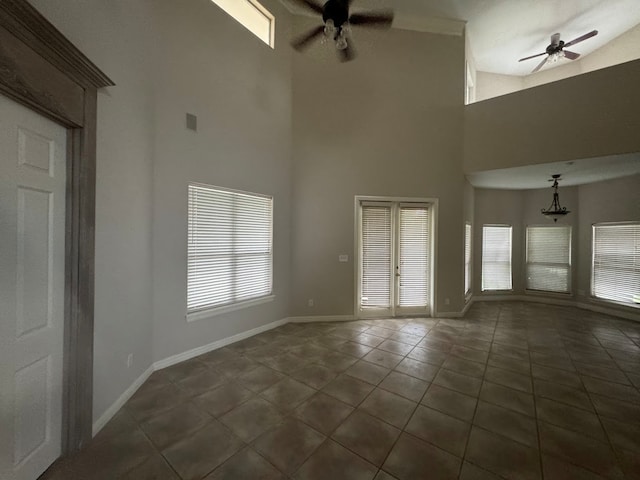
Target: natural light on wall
pixel 255 18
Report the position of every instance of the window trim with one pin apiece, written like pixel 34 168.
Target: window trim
pixel 592 296
pixel 482 289
pixel 230 307
pixel 531 291
pixel 207 312
pixel 242 21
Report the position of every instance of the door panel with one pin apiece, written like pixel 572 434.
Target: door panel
pixel 375 260
pixel 32 229
pixel 413 260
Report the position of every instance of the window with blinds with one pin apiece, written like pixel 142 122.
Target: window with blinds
pixel 467 258
pixel 616 263
pixel 230 258
pixel 376 256
pixel 414 257
pixel 549 258
pixel 496 257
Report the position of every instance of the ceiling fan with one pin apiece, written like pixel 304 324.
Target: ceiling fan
pixel 557 49
pixel 337 25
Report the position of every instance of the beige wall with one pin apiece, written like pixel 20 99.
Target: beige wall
pixel 118 37
pixel 168 58
pixel 595 114
pixel 388 124
pixel 570 68
pixel 489 85
pixel 240 89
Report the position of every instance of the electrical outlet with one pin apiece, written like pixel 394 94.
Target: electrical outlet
pixel 310 302
pixel 343 258
pixel 446 301
pixel 129 360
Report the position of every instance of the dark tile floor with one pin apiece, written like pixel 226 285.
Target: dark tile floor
pixel 513 390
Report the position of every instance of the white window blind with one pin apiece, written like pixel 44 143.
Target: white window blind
pixel 496 257
pixel 253 16
pixel 414 256
pixel 549 258
pixel 376 256
pixel 467 258
pixel 616 263
pixel 229 247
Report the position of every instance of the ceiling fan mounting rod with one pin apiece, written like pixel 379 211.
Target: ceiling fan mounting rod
pixel 336 11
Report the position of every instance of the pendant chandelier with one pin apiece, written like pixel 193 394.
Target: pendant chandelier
pixel 555 211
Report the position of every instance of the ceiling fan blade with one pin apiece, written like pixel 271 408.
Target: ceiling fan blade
pixel 580 39
pixel 348 53
pixel 375 19
pixel 540 65
pixel 310 5
pixel 570 55
pixel 305 40
pixel 555 39
pixel 532 56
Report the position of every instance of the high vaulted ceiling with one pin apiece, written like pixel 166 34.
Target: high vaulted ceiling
pixel 503 31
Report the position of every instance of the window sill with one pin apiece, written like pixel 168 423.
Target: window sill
pixel 212 312
pixel 543 293
pixel 613 303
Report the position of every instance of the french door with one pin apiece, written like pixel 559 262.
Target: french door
pixel 395 251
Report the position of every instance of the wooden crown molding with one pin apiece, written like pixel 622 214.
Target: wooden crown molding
pixel 21 19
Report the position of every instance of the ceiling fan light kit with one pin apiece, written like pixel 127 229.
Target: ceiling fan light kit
pixel 555 211
pixel 556 50
pixel 337 25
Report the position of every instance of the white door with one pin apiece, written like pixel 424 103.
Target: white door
pixel 395 252
pixel 32 230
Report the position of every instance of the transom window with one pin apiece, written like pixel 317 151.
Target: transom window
pixel 253 16
pixel 230 257
pixel 616 263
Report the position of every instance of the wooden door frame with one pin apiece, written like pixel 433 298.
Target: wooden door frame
pixel 42 70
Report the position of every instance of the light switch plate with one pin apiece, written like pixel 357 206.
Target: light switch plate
pixel 343 258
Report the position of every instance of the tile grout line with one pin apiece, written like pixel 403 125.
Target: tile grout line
pixel 475 410
pixel 535 411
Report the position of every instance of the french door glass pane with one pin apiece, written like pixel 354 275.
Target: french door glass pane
pixel 376 256
pixel 414 257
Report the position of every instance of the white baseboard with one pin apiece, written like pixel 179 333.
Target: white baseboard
pixel 167 362
pixel 189 354
pixel 321 318
pixel 560 302
pixel 448 315
pixel 122 399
